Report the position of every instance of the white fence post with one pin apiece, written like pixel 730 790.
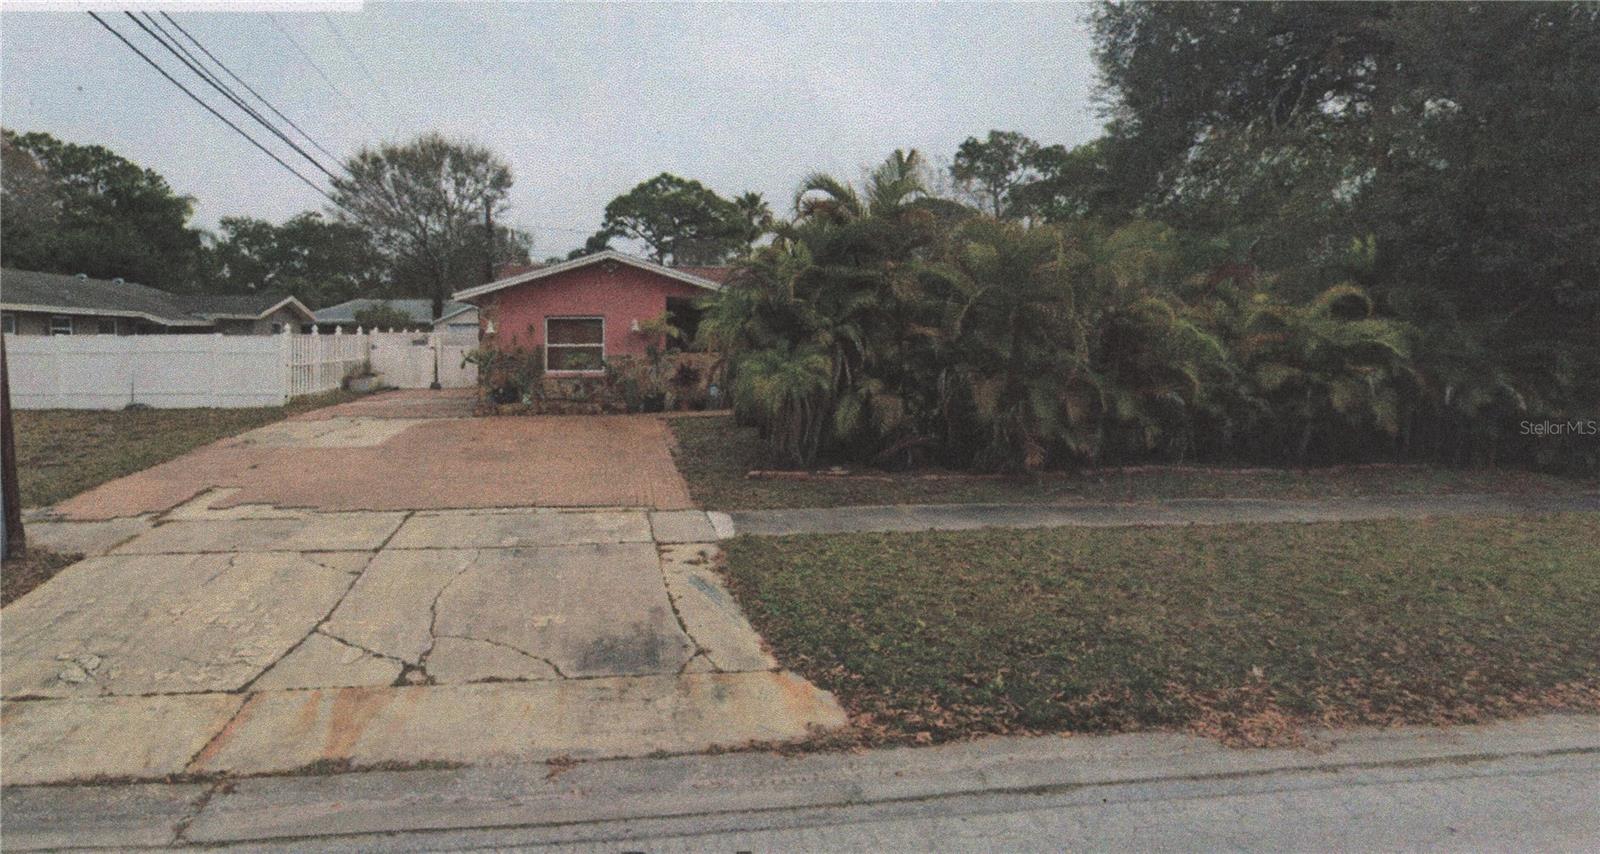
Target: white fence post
pixel 286 359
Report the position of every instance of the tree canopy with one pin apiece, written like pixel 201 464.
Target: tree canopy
pixel 321 261
pixel 71 208
pixel 424 204
pixel 681 221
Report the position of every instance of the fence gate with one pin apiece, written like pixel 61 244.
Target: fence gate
pixel 454 372
pixel 407 360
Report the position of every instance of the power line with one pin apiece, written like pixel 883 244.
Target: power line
pixel 185 57
pixel 344 44
pixel 250 89
pixel 349 51
pixel 320 73
pixel 224 119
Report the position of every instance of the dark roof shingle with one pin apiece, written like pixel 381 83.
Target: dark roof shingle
pixel 59 292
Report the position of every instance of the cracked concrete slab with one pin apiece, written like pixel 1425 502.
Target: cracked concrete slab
pixel 279 587
pixel 145 624
pixel 454 659
pixel 51 741
pixel 591 610
pixel 709 613
pixel 322 662
pixel 86 538
pixel 518 721
pixel 389 609
pixel 682 526
pixel 323 532
pixel 521 528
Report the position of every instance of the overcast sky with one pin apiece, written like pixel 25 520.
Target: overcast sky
pixel 583 101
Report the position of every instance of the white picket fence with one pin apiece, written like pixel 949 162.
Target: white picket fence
pixel 172 371
pixel 318 363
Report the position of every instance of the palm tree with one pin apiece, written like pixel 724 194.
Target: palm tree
pixel 1330 369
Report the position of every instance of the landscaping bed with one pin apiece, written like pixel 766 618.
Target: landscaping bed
pixel 717 456
pixel 62 452
pixel 1246 633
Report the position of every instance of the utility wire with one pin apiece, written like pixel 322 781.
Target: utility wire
pixel 349 51
pixel 250 89
pixel 320 73
pixel 192 62
pixel 224 119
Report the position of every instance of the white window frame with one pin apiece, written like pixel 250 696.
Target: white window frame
pixel 548 345
pixel 56 317
pixel 8 323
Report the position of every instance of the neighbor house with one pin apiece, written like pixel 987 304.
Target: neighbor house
pixel 459 322
pixel 54 304
pixel 579 313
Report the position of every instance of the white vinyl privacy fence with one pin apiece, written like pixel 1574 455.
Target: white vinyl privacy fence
pixel 172 371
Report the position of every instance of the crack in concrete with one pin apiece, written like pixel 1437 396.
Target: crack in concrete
pixel 683 625
pixel 180 830
pixel 226 726
pixel 699 652
pixel 317 626
pixel 358 647
pixel 433 615
pixel 515 649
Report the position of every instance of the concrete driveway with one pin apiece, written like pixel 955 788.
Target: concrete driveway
pixel 231 634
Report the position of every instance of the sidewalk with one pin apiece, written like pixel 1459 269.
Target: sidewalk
pixel 1527 783
pixel 1186 511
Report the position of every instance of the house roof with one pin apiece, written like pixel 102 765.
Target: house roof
pixel 682 274
pixel 419 310
pixel 715 274
pixel 27 290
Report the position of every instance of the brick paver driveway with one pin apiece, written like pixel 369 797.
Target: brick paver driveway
pixel 409 451
pixel 375 585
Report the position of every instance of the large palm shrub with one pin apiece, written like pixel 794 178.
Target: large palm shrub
pixel 885 326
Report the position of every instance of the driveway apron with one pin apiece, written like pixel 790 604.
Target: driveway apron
pixel 390 584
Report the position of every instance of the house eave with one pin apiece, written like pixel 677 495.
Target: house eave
pixel 101 312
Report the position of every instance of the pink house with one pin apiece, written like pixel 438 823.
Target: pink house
pixel 582 312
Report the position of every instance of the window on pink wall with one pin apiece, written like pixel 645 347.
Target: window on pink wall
pixel 574 344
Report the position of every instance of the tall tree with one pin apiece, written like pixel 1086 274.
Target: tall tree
pixel 1441 156
pixel 72 208
pixel 682 221
pixel 423 202
pixel 996 167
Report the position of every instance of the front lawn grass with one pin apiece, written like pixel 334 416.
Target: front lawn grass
pixel 62 452
pixel 715 454
pixel 1249 633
